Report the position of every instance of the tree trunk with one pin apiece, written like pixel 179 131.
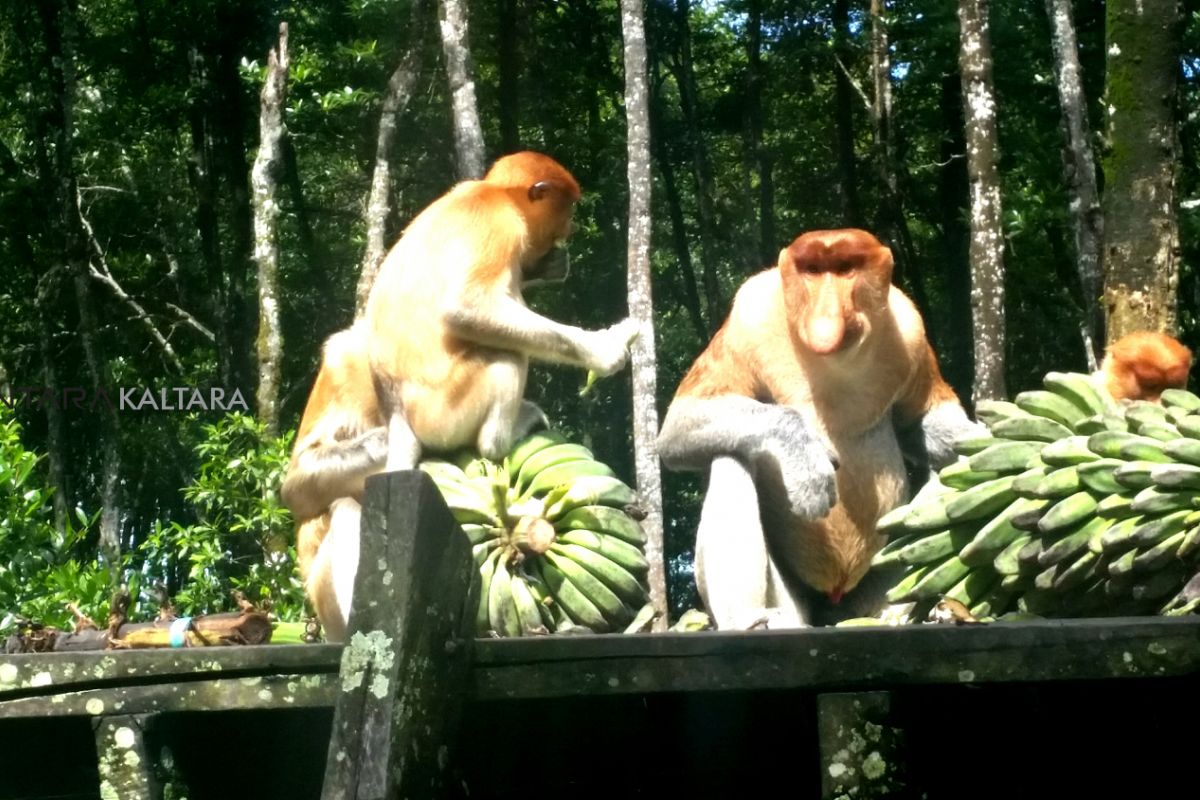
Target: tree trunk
pixel 264 179
pixel 890 216
pixel 510 72
pixel 987 235
pixel 240 306
pixel 768 247
pixel 685 79
pixel 468 135
pixel 55 425
pixel 58 21
pixel 1087 220
pixel 645 416
pixel 379 201
pixel 844 116
pixel 203 179
pixel 43 299
pixel 1142 237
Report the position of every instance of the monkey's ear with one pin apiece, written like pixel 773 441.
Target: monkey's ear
pixel 540 190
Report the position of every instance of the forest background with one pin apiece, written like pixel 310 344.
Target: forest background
pixel 138 249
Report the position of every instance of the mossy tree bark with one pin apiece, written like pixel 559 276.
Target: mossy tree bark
pixel 1141 249
pixel 987 234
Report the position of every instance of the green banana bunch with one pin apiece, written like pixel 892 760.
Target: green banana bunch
pixel 1073 505
pixel 553 538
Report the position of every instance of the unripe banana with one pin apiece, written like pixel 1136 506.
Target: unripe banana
pixel 528 613
pixel 1077 387
pixel 603 519
pixel 613 575
pixel 1048 404
pixel 602 597
pixel 1030 428
pixel 562 453
pixel 531 444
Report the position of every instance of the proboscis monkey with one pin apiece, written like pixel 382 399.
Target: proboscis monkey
pixel 447 323
pixel 449 334
pixel 793 410
pixel 1139 366
pixel 340 443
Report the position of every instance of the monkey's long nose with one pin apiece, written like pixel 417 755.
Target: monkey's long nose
pixel 825 333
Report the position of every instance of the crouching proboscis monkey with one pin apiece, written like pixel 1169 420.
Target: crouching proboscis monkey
pixel 793 410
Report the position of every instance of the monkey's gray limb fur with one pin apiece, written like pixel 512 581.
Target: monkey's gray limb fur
pixel 787 458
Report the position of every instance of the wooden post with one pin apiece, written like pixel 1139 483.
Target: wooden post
pixel 861 751
pixel 124 763
pixel 405 665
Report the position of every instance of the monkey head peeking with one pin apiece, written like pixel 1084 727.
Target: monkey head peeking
pixel 1140 365
pixel 793 411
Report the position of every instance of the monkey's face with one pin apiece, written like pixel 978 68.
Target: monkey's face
pixel 835 285
pixel 553 267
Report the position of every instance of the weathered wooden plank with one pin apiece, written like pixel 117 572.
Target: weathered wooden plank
pixel 217 694
pixel 125 766
pixel 404 669
pixel 45 673
pixel 862 750
pixel 836 659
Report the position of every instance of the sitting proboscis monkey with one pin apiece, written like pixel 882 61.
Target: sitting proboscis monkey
pixel 440 358
pixel 793 409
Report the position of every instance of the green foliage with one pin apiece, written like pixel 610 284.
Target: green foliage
pixel 241 539
pixel 39 567
pixel 242 536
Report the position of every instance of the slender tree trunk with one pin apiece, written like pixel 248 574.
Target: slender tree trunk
pixel 954 187
pixel 768 247
pixel 890 217
pixel 645 415
pixel 510 71
pixel 315 254
pixel 987 235
pixel 685 79
pixel 264 179
pixel 44 292
pixel 203 178
pixel 844 116
pixel 379 201
pixel 468 135
pixel 1142 235
pixel 1087 220
pixel 58 21
pixel 55 425
pixel 241 306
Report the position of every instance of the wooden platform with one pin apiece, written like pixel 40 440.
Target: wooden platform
pixel 415 706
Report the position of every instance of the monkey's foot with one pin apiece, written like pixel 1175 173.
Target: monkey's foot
pixel 773 619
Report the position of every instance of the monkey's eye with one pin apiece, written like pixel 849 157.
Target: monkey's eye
pixel 843 268
pixel 811 268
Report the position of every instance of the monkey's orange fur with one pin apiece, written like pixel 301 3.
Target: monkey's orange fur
pixel 340 407
pixel 438 361
pixel 1141 365
pixel 465 250
pixel 826 333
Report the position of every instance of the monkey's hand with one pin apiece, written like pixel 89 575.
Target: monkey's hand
pixel 608 350
pixel 943 424
pixel 792 461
